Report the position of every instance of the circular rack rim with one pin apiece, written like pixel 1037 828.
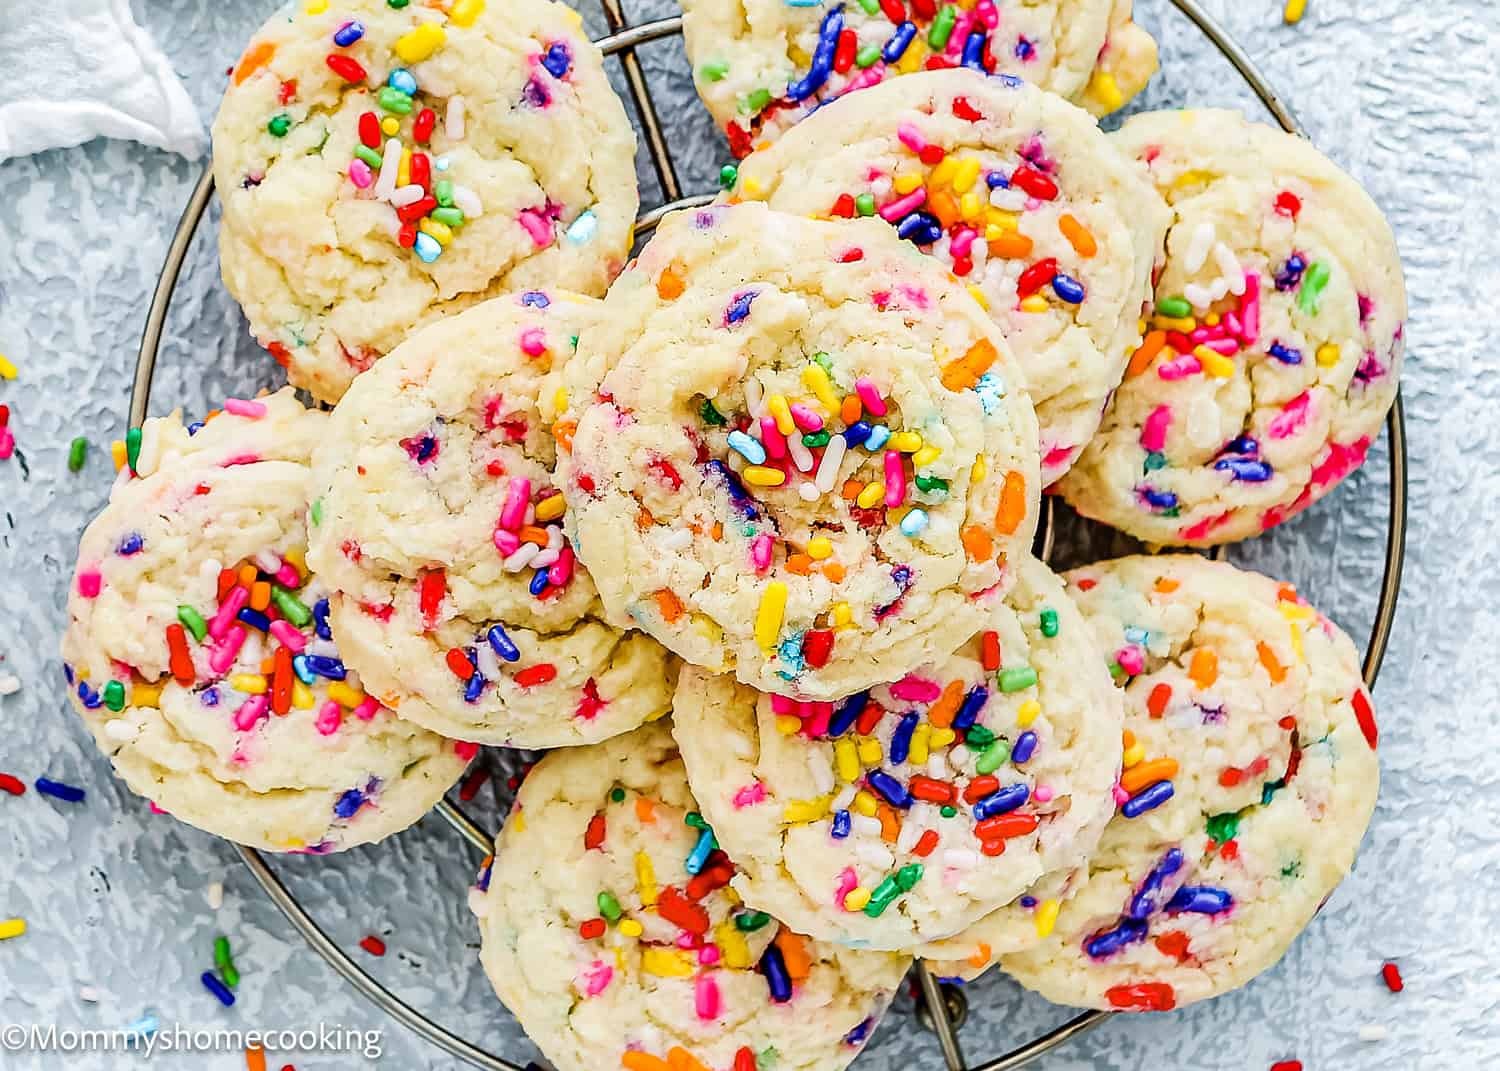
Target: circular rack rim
pixel 933 1011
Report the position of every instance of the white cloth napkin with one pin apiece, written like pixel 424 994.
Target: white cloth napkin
pixel 93 73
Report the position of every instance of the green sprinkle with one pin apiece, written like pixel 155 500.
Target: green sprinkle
pixel 867 56
pixel 231 976
pixel 977 736
pixel 1313 282
pixel 931 483
pixel 709 414
pixel 114 695
pixel 132 447
pixel 453 217
pixel 750 921
pixel 78 449
pixel 713 71
pixel 947 810
pixel 1174 308
pixel 1017 678
pixel 1117 671
pixel 193 621
pixel 369 156
pixel 396 5
pixel 442 189
pixel 908 876
pixel 885 893
pixel 279 125
pixel 942 27
pixel 823 361
pixel 864 204
pixel 609 907
pixel 872 7
pixel 755 102
pixel 993 756
pixel 1049 622
pixel 222 958
pixel 728 176
pixel 317 512
pixel 617 794
pixel 1155 460
pixel 393 100
pixel 815 439
pixel 1223 827
pixel 291 607
pixel 1268 791
pixel 1292 869
pixel 694 819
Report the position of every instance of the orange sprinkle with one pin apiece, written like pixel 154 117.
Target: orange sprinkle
pixel 669 605
pixel 1165 585
pixel 1127 740
pixel 851 409
pixel 1078 236
pixel 679 1059
pixel 1274 669
pixel 980 957
pixel 563 431
pixel 890 825
pixel 977 543
pixel 643 519
pixel 1204 669
pixel 248 573
pixel 1148 773
pixel 1012 508
pixel 643 1061
pixel 794 952
pixel 260 595
pixel 1156 702
pixel 717 531
pixel 668 286
pixel 851 489
pixel 268 665
pixel 1286 593
pixel 1141 359
pixel 255 1058
pixel 944 207
pixel 1011 244
pixel 645 810
pixel 255 57
pixel 834 572
pixel 531 533
pixel 801 564
pixel 941 713
pixel 964 372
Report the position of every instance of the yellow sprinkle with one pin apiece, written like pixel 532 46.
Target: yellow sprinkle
pixel 732 945
pixel 550 508
pixel 971 207
pixel 919 744
pixel 816 380
pixel 856 899
pixel 941 738
pixel 345 696
pixel 758 475
pixel 999 217
pixel 1133 756
pixel 421 42
pixel 776 405
pixel 665 963
pixel 249 683
pixel 846 758
pixel 403 169
pixel 819 547
pixel 905 441
pixel 1104 89
pixel 864 804
pixel 913 59
pixel 145 695
pixel 872 495
pixel 464 12
pixel 441 231
pixel 1185 324
pixel 645 879
pixel 806 810
pixel 1297 643
pixel 302 697
pixel 619 959
pixel 979 471
pixel 298 557
pixel 631 928
pixel 390 126
pixel 1046 917
pixel 942 174
pixel 315 7
pixel 870 751
pixel 788 724
pixel 117 453
pixel 1028 712
pixel 965 174
pixel 560 400
pixel 978 295
pixel 1212 319
pixel 905 184
pixel 1214 364
pixel 768 617
pixel 1035 303
pixel 1293 13
pixel 1328 355
pixel 519 821
pixel 926 456
pixel 1296 612
pixel 843 615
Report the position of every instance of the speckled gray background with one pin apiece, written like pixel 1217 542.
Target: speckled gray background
pixel 1403 94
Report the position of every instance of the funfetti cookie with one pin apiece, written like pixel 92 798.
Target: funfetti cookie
pixel 610 932
pixel 199 654
pixel 1274 346
pixel 906 813
pixel 763 65
pixel 1015 191
pixel 798 452
pixel 1250 776
pixel 437 523
pixel 381 166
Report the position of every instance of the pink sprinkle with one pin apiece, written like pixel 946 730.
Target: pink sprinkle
pixel 1181 368
pixel 360 174
pixel 561 570
pixel 917 689
pixel 1042 793
pixel 870 76
pixel 233 603
pixel 771 439
pixel 1292 417
pixel 868 393
pixel 251 711
pixel 895 480
pixel 371 706
pixel 89 583
pixel 848 880
pixel 1205 526
pixel 760 552
pixel 517 495
pixel 240 407
pixel 783 704
pixel 911 137
pixel 805 418
pixel 1120 795
pixel 815 724
pixel 7 443
pixel 596 978
pixel 706 997
pixel 288 636
pixel 1232 323
pixel 287 576
pixel 223 656
pixel 537 227
pixel 1250 308
pixel 685 940
pixel 506 542
pixel 533 342
pixel 155 809
pixel 1205 334
pixel 1056 455
pixel 1131 660
pixel 1154 433
pixel 239 459
pixel 962 242
pixel 749 796
pixel 985 9
pixel 708 955
pixel 902 207
pixel 1228 347
pixel 1339 462
pixel 330 717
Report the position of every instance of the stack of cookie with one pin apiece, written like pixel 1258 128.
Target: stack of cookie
pixel 782 484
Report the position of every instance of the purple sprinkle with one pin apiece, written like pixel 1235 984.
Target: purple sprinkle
pixel 535 299
pixel 739 308
pixel 1024 749
pixel 349 803
pixel 557 60
pixel 535 94
pixel 131 544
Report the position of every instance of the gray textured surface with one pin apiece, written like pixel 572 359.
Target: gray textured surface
pixel 1402 94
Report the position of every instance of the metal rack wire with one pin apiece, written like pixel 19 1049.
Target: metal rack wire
pixel 942 1008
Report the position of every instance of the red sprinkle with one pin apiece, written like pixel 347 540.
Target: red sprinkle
pixel 744 1059
pixel 852 256
pixel 538 674
pixel 1287 1065
pixel 926 843
pixel 989 651
pixel 407 235
pixel 868 718
pixel 894 10
pixel 1288 203
pixel 593 837
pixel 680 911
pixel 473 783
pixel 288 91
pixel 459 663
pixel 1147 996
pixel 1034 183
pixel 421 169
pixel 1005 826
pixel 843 55
pixel 843 208
pixel 11 785
pixel 373 945
pixel 347 69
pixel 416 210
pixel 1037 276
pixel 992 847
pixel 1230 849
pixel 1365 715
pixel 281 682
pixel 1156 703
pixel 591 929
pixel 1174 944
pixel 817 645
pixel 433 587
pixel 964 110
pixel 931 154
pixel 1392 975
pixel 422 127
pixel 931 790
pixel 179 659
pixel 981 787
pixel 369 130
pixel 716 874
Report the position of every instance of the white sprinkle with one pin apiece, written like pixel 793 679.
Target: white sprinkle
pixel 215 895
pixel 487 660
pixel 907 839
pixel 1200 297
pixel 864 825
pixel 822 773
pixel 408 195
pixel 808 492
pixel 478 904
pixel 1230 268
pixel 1373 1032
pixel 554 537
pixel 1197 250
pixel 88 994
pixel 121 730
pixel 385 185
pixel 10 684
pixel 1008 200
pixel 522 557
pixel 454 123
pixel 937 766
pixel 322 647
pixel 468 202
pixel 961 858
pixel 442 163
pixel 675 538
pixel 754 395
pixel 958 755
pixel 871 851
pixel 801 455
pixel 544 559
pixel 267 562
pixel 828 467
pixel 843 799
pixel 530 514
pixel 880 187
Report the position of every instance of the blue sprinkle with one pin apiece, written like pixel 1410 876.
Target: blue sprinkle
pixel 973 57
pixel 58 790
pixel 1290 273
pixel 1009 81
pixel 1137 635
pixel 304 674
pixel 1107 943
pixel 739 308
pixel 218 989
pixel 1068 288
pixel 557 60
pixel 773 966
pixel 1028 901
pixel 535 299
pixel 1201 900
pixel 583 228
pixel 968 711
pixel 483 884
pixel 403 80
pixel 1285 354
pixel 860 1032
pixel 822 58
pixel 879 435
pixel 1143 904
pixel 913 523
pixel 131 544
pixel 893 49
pixel 901 738
pixel 1001 801
pixel 538 582
pixel 1148 798
pixel 426 446
pixel 320 620
pixel 194 428
pixel 857 433
pixel 210 696
pixel 501 644
pixel 324 666
pixel 1244 469
pixel 736 490
pixel 920 228
pixel 1024 49
pixel 91 699
pixel 1158 499
pixel 997 181
pixel 902 576
pixel 349 803
pixel 474 687
pixel 1025 747
pixel 68 672
pixel 141 1029
pixel 427 247
pixel 748 447
pixel 893 790
pixel 841 824
pixel 847 713
pixel 1241 444
pixel 698 857
pixel 349 33
pixel 254 618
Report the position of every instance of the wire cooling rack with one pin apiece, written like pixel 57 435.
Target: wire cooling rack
pixel 941 1008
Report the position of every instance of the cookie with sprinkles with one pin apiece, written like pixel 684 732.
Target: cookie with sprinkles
pixel 799 451
pixel 610 931
pixel 1015 191
pixel 763 65
pixel 383 165
pixel 436 522
pixel 907 812
pixel 1274 343
pixel 199 653
pixel 1250 776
